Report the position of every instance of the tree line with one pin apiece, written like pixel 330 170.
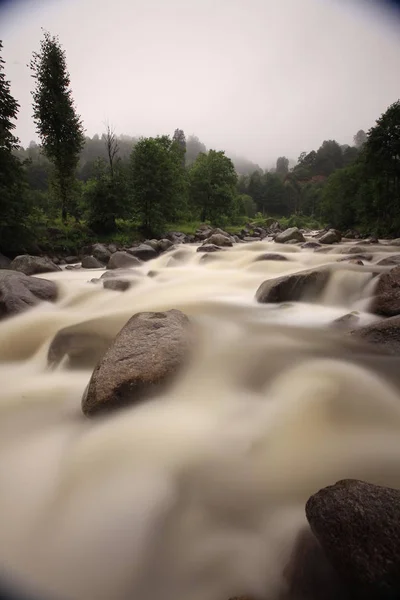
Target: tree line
pixel 153 181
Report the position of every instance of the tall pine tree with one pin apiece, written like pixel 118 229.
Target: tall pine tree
pixel 58 124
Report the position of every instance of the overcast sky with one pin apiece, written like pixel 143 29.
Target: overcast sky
pixel 260 78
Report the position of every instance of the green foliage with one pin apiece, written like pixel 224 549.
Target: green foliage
pixel 213 182
pixel 58 125
pixel 158 182
pixel 246 205
pixel 14 201
pixel 102 196
pixel 282 166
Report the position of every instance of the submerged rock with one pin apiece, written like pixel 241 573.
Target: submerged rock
pixel 146 354
pixel 33 265
pixel 117 285
pixel 18 292
pixel 208 248
pixel 306 285
pixel 122 260
pixel 347 321
pixel 389 261
pixel 293 233
pixel 270 256
pixel 82 347
pixel 358 527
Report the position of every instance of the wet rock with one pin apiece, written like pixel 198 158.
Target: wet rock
pixel 352 234
pixel 176 237
pixel 311 245
pixel 387 299
pixel 203 232
pixel 146 354
pixel 122 260
pixel 347 321
pixel 112 248
pixel 33 265
pixel 292 241
pixel 164 245
pixel 248 238
pixel 306 285
pixel 143 252
pixel 309 575
pixel 118 285
pixel 331 237
pixel 71 260
pixel 90 262
pixel 389 261
pixel 293 233
pixel 73 267
pixel 271 256
pixel 384 334
pixel 80 347
pixel 208 248
pixel 4 262
pixel 219 239
pixel 119 273
pixel 358 527
pixel 360 252
pixel 18 292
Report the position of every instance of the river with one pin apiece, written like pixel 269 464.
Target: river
pixel 199 493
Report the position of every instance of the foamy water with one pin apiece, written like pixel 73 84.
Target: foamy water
pixel 199 493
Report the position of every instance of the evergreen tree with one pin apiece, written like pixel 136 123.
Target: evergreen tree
pixel 58 125
pixel 180 141
pixel 13 197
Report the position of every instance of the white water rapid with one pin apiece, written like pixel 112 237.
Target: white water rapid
pixel 199 493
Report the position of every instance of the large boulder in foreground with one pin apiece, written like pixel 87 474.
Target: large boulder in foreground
pixel 18 292
pixel 306 285
pixel 122 260
pixel 385 334
pixel 358 527
pixel 33 265
pixel 147 353
pixel 387 294
pixel 293 233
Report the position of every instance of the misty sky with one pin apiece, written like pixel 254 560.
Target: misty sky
pixel 260 78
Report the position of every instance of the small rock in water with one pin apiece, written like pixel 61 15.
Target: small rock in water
pixel 331 237
pixel 82 347
pixel 358 527
pixel 387 299
pixel 389 261
pixel 209 248
pixel 146 354
pixel 347 321
pixel 219 239
pixel 117 285
pixel 143 252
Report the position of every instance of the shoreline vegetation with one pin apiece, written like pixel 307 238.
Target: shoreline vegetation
pixel 73 190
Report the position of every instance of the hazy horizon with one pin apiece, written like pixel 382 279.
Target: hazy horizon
pixel 259 79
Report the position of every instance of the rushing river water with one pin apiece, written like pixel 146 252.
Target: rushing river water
pixel 199 493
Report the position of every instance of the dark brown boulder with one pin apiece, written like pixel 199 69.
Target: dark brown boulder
pixel 146 354
pixel 79 345
pixel 358 527
pixel 385 334
pixel 306 285
pixel 18 292
pixel 387 294
pixel 33 265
